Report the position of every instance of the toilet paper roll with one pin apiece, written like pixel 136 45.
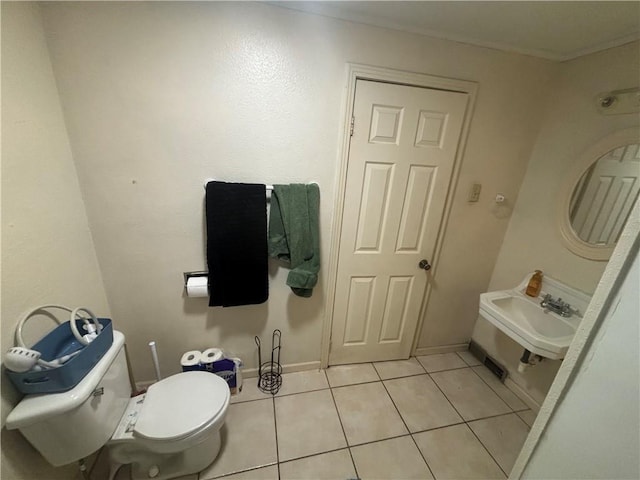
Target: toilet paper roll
pixel 197 286
pixel 191 358
pixel 211 355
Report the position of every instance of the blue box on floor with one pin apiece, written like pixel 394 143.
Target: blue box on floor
pixel 225 368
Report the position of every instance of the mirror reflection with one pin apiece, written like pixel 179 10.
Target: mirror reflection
pixel 603 197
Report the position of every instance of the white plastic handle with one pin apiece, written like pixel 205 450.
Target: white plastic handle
pixel 74 328
pixel 28 315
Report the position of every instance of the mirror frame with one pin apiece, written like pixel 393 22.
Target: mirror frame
pixel 591 155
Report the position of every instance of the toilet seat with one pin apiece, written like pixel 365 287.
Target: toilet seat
pixel 181 405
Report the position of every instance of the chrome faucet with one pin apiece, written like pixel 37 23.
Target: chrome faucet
pixel 557 305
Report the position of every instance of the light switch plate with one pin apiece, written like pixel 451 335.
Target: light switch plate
pixel 474 194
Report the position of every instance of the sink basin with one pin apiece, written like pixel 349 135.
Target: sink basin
pixel 530 315
pixel 522 318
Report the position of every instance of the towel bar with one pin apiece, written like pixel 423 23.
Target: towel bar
pixel 268 187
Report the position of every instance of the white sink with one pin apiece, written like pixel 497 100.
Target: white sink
pixel 523 319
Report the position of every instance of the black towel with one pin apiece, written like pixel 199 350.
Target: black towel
pixel 237 244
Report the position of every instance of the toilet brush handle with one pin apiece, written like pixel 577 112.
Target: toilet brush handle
pixel 156 362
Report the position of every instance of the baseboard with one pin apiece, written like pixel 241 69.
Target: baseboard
pixel 290 368
pixel 253 372
pixel 522 394
pixel 458 347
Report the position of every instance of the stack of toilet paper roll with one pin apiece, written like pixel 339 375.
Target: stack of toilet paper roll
pixel 213 360
pixel 197 360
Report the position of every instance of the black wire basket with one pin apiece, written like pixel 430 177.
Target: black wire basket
pixel 270 373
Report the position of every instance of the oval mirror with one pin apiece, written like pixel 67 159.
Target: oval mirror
pixel 599 195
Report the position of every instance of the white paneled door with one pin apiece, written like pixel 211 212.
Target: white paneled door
pixel 401 159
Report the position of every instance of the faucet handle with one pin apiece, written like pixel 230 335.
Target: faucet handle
pixel 545 301
pixel 568 310
pixel 573 311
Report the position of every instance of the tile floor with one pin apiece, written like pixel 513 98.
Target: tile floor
pixel 436 416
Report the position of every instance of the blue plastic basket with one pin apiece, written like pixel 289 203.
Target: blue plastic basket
pixel 60 341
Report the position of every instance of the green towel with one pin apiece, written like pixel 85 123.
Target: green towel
pixel 294 233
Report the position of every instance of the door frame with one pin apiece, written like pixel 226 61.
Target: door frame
pixel 357 72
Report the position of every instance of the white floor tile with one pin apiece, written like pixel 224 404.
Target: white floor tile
pixel 470 396
pixel 398 368
pixel 308 424
pixel 306 381
pixel 367 413
pixel 397 458
pixel 340 375
pixel 501 390
pixel 503 436
pixel 455 453
pixel 264 473
pixel 441 361
pixel 249 427
pixel 421 403
pixel 327 466
pixel 469 359
pixel 529 416
pixel 125 474
pixel 250 391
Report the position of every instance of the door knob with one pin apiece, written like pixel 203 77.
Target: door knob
pixel 424 264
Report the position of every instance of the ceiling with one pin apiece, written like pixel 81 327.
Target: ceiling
pixel 548 29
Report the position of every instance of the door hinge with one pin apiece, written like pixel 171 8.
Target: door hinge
pixel 353 120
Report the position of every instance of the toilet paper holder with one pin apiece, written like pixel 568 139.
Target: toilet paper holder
pixel 188 275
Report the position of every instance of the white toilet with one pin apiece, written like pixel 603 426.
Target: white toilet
pixel 172 430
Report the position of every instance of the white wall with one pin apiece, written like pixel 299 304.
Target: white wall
pixel 160 96
pixel 570 125
pixel 47 249
pixel 594 430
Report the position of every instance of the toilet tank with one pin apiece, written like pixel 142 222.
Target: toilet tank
pixel 67 426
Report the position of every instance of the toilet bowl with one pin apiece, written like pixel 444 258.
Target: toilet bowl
pixel 170 431
pixel 172 428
